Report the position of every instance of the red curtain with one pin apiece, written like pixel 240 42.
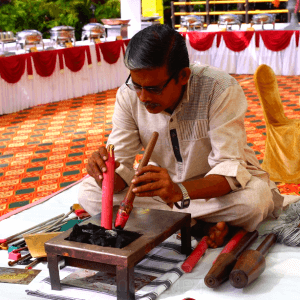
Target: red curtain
pixel 275 40
pixel 12 68
pixel 237 41
pixel 111 51
pixel 75 57
pixel 44 62
pixel 201 41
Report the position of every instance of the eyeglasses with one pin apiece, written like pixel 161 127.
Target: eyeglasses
pixel 152 90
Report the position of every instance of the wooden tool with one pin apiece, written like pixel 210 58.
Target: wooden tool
pixel 251 263
pixel 108 190
pixel 192 260
pixel 127 204
pixel 225 262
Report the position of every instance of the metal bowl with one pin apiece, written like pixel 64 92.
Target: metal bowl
pixel 229 19
pixel 263 18
pixel 114 21
pixel 29 37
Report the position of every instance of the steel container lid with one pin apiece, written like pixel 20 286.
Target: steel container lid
pixel 30 32
pixel 229 18
pixel 266 18
pixel 93 27
pixel 62 28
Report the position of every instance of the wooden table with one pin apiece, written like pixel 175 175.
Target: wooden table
pixel 155 226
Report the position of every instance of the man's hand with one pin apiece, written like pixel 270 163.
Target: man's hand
pixel 155 181
pixel 96 164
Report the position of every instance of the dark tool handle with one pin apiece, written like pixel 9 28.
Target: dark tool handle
pixel 127 204
pixel 147 154
pixel 267 243
pixel 246 241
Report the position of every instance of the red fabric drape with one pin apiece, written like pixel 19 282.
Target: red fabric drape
pixel 44 62
pixel 111 51
pixel 237 41
pixel 201 41
pixel 275 40
pixel 126 42
pixel 12 68
pixel 29 64
pixel 75 57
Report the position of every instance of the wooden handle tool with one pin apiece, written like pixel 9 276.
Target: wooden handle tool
pixel 127 204
pixel 251 263
pixel 225 262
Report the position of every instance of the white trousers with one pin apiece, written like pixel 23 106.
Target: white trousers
pixel 245 208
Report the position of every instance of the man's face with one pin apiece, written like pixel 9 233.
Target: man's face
pixel 157 78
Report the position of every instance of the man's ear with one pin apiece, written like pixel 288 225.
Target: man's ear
pixel 184 75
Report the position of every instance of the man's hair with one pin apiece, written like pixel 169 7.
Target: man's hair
pixel 156 46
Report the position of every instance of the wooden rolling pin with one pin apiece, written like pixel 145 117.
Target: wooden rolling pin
pixel 251 263
pixel 225 262
pixel 127 204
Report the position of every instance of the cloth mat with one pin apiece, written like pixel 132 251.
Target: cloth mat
pixel 280 279
pixel 163 262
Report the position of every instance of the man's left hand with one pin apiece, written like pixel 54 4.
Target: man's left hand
pixel 155 181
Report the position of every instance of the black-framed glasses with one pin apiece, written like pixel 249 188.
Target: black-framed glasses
pixel 153 89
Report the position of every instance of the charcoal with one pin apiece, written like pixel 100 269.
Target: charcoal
pixel 97 235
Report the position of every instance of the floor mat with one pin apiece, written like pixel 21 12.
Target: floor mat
pixel 45 148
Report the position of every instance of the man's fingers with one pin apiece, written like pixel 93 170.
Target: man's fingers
pixel 147 187
pixel 97 157
pixel 148 177
pixel 148 168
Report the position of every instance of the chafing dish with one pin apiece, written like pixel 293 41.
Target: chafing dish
pixel 93 31
pixel 29 38
pixel 115 22
pixel 7 37
pixel 229 20
pixel 192 22
pixel 116 27
pixel 60 35
pixel 263 19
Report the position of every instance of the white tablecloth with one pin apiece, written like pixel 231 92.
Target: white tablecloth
pixel 61 86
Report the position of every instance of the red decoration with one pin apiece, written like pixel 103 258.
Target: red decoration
pixel 12 68
pixel 75 57
pixel 276 41
pixel 44 62
pixel 237 41
pixel 201 41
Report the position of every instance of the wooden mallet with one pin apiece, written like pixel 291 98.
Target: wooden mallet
pixel 251 263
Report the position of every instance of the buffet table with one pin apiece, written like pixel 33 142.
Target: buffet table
pixel 241 52
pixel 31 79
pixel 36 78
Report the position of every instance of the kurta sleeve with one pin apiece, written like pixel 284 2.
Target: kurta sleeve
pixel 125 135
pixel 228 137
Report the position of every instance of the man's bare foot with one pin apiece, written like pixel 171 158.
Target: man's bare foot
pixel 217 234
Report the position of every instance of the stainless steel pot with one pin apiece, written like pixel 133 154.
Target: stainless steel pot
pixel 263 19
pixel 29 38
pixel 229 20
pixel 192 22
pixel 6 37
pixel 62 34
pixel 93 31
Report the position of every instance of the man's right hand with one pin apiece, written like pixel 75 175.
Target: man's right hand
pixel 96 164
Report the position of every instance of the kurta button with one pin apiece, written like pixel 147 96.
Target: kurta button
pixel 171 120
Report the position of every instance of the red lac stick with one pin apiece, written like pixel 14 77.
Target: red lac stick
pixel 127 204
pixel 108 190
pixel 233 242
pixel 194 257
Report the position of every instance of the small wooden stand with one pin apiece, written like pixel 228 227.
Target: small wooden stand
pixel 155 227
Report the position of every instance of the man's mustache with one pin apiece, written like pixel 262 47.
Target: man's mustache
pixel 149 104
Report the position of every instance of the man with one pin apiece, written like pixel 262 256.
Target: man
pixel 201 152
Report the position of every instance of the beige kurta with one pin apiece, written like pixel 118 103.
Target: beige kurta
pixel 204 135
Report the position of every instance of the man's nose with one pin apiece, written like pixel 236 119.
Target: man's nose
pixel 144 95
